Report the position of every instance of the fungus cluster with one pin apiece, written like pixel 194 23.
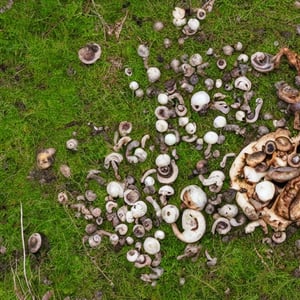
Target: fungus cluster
pixel 137 208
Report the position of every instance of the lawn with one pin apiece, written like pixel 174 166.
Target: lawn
pixel 48 96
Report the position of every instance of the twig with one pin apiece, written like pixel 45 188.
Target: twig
pixel 103 23
pixel 262 259
pixel 24 252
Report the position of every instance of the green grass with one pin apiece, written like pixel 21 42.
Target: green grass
pixel 47 95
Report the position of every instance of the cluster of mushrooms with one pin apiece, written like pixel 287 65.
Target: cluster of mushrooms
pixel 264 175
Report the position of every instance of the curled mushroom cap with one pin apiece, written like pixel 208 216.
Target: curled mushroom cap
pixel 125 127
pixel 170 213
pixel 151 245
pixel 221 225
pixel 193 225
pixel 243 83
pixel 193 197
pixel 45 158
pixel 35 242
pixel 90 53
pixel 262 62
pixel 115 189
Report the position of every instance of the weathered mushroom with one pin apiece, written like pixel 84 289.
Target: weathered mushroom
pixel 90 53
pixel 214 181
pixel 35 242
pixel 193 225
pixel 200 101
pixel 170 213
pixel 262 62
pixel 151 245
pixel 45 158
pixel 221 225
pixel 113 159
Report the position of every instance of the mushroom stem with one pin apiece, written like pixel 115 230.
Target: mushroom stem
pixel 207 151
pixel 155 206
pixel 115 167
pixel 259 103
pixel 226 156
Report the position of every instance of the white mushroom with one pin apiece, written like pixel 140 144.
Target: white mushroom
pixel 155 205
pixel 151 245
pixel 214 181
pixel 161 125
pixel 228 211
pixel 221 226
pixel 193 197
pixel 193 225
pixel 219 122
pixel 170 213
pixel 153 74
pixel 199 101
pixel 243 83
pixel 265 190
pixel 162 160
pixel 210 138
pixel 159 234
pixel 113 159
pixel 132 255
pixel 165 191
pixel 94 240
pixel 72 144
pixel 139 209
pixel 162 98
pixel 115 189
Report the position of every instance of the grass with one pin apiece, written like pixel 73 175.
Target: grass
pixel 47 95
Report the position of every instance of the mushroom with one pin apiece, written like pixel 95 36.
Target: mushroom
pixel 151 245
pixel 259 103
pixel 214 181
pixel 210 138
pixel 265 190
pixel 94 240
pixel 219 122
pixel 153 74
pixel 262 62
pixel 221 63
pixel 90 53
pixel 90 195
pixel 165 192
pixel 161 125
pixel 279 237
pixel 113 159
pixel 159 234
pixel 170 213
pixel 45 158
pixel 142 261
pixel 115 189
pixel 125 127
pixel 132 255
pixel 200 101
pixel 191 250
pixel 243 83
pixel 72 144
pixel 228 211
pixel 138 230
pixel 139 209
pixel 155 205
pixel 193 225
pixel 35 242
pixel 221 225
pixel 192 196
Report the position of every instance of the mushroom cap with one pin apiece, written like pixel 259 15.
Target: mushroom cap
pixel 168 174
pixel 193 197
pixel 178 13
pixel 265 190
pixel 113 156
pixel 139 209
pixel 161 125
pixel 131 196
pixel 115 189
pixel 170 139
pixel 143 51
pixel 149 181
pixel 228 211
pixel 220 122
pixel 141 154
pixel 151 245
pixel 34 242
pixel 72 144
pixel 90 53
pixel 159 234
pixel 153 74
pixel 45 158
pixel 125 127
pixel 170 213
pixel 243 83
pixel 132 255
pixel 162 98
pixel 194 24
pixel 210 137
pixel 199 100
pixel 191 128
pixel 166 190
pixel 163 160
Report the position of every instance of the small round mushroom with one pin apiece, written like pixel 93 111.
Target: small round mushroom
pixel 139 209
pixel 170 213
pixel 115 189
pixel 153 74
pixel 125 128
pixel 132 255
pixel 228 211
pixel 200 101
pixel 151 245
pixel 219 122
pixel 265 190
pixel 210 138
pixel 90 53
pixel 94 240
